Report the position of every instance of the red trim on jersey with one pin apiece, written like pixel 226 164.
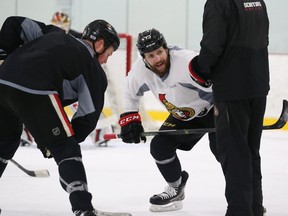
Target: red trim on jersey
pixel 69 126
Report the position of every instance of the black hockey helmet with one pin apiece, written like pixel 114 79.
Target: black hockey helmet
pixel 102 29
pixel 150 40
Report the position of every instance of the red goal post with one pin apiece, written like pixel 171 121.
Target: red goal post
pixel 128 39
pixel 117 67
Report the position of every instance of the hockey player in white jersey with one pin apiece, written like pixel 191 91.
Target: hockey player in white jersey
pixel 165 72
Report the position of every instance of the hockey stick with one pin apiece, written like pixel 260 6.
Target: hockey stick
pixel 280 123
pixel 34 173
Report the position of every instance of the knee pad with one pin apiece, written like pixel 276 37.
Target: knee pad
pixel 161 148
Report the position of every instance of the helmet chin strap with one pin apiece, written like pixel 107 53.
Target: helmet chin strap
pixel 93 46
pixel 147 65
pixel 96 53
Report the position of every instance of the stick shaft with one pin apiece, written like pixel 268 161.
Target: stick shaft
pixel 280 123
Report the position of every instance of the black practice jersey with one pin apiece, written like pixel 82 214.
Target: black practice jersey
pixel 58 63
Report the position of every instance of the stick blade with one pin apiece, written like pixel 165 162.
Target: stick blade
pixel 285 111
pixel 33 173
pixel 41 173
pixel 281 122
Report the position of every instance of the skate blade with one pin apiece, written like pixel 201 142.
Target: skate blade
pixel 173 206
pixel 104 213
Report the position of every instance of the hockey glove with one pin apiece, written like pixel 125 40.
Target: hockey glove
pixel 196 75
pixel 131 127
pixel 46 152
pixel 3 54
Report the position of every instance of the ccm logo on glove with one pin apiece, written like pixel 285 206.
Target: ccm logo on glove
pixel 131 128
pixel 134 117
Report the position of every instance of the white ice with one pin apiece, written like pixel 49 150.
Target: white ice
pixel 122 177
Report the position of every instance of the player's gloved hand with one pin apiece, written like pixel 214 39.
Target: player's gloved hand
pixel 3 54
pixel 196 75
pixel 46 152
pixel 131 127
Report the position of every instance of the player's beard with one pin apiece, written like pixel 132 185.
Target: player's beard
pixel 164 69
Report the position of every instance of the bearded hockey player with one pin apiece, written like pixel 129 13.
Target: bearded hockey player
pixel 165 71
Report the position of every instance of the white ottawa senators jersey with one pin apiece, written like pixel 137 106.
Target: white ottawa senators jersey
pixel 181 96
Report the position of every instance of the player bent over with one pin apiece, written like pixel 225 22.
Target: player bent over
pixel 63 21
pixel 41 77
pixel 31 30
pixel 165 71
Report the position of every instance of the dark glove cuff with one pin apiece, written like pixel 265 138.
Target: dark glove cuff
pixel 127 113
pixel 3 54
pixel 196 75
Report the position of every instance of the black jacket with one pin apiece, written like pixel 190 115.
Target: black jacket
pixel 58 63
pixel 234 52
pixel 17 30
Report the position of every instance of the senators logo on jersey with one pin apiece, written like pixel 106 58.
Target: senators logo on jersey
pixel 183 113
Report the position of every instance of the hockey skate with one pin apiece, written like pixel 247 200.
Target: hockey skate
pixel 100 213
pixel 85 213
pixel 171 198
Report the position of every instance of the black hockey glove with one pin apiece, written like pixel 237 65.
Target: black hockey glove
pixel 45 152
pixel 196 75
pixel 3 55
pixel 131 127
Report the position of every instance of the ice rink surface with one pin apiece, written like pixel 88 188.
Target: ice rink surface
pixel 122 177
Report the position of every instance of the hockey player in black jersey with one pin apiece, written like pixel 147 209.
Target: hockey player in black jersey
pixel 63 21
pixel 41 77
pixel 164 71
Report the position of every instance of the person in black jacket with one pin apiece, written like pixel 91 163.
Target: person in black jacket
pixel 42 76
pixel 234 58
